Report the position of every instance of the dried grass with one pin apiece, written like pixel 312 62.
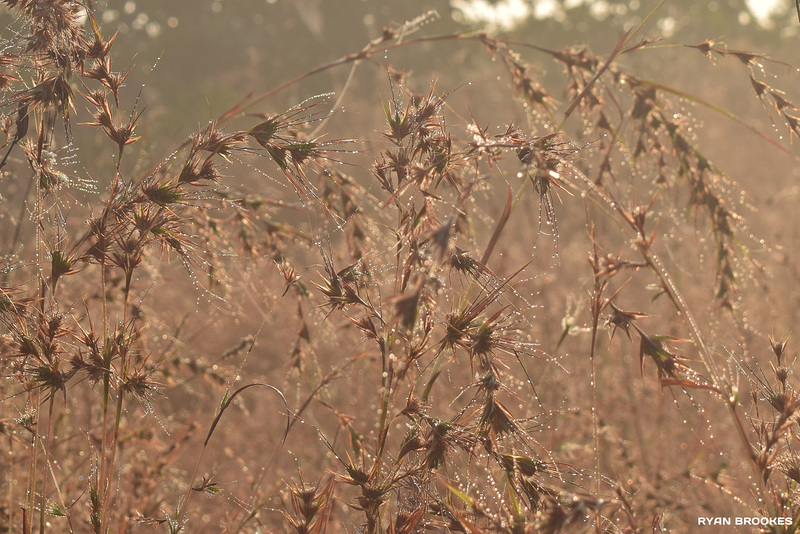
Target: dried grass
pixel 392 313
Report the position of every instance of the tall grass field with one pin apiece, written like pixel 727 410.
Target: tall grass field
pixel 456 278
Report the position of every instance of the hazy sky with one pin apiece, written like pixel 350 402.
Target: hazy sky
pixel 506 14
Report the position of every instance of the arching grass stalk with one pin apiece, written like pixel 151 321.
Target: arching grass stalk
pixel 720 110
pixel 226 402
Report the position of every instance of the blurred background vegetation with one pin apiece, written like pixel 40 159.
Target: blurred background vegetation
pixel 222 50
pixel 192 60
